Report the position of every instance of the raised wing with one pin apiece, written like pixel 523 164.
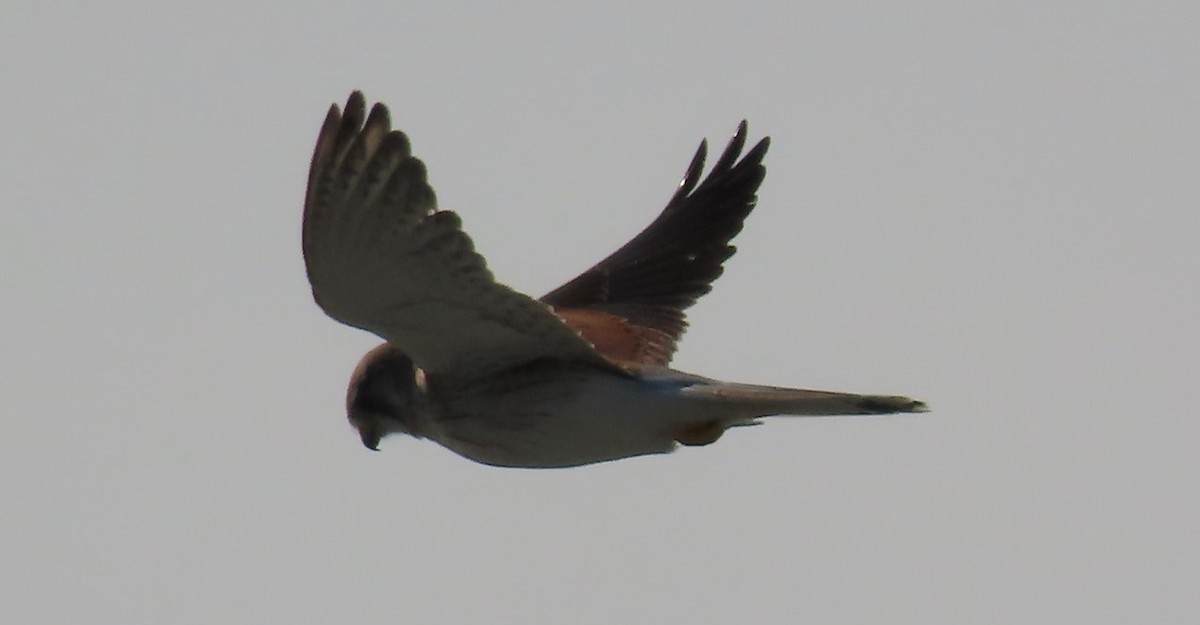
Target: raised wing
pixel 381 257
pixel 630 305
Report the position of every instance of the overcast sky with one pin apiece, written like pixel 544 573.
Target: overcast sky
pixel 991 209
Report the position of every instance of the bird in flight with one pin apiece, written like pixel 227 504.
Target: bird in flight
pixel 578 376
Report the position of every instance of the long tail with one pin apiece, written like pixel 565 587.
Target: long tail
pixel 772 400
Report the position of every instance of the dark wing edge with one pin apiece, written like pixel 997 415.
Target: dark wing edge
pixel 360 156
pixel 650 281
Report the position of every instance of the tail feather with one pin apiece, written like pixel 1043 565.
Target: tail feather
pixel 771 400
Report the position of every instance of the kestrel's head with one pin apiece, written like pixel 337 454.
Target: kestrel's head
pixel 385 394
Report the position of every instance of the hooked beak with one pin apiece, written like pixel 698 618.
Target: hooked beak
pixel 370 439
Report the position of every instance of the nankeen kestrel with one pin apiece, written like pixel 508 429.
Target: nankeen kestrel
pixel 576 377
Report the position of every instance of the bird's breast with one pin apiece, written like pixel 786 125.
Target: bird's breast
pixel 554 416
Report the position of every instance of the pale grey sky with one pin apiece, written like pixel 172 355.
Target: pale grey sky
pixel 992 209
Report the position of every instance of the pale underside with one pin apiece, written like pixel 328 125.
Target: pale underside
pixel 568 416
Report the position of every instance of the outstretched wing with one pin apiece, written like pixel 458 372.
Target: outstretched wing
pixel 630 305
pixel 381 257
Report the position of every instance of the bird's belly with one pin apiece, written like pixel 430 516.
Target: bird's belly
pixel 570 419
